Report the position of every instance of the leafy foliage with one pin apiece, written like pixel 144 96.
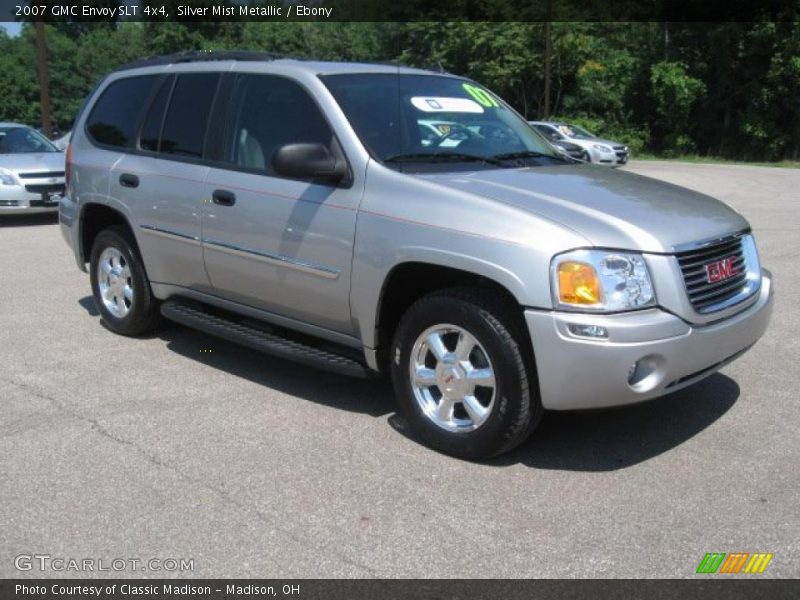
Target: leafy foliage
pixel 724 89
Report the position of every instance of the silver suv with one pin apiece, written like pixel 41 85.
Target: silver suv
pixel 295 207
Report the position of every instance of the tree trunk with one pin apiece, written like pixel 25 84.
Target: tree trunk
pixel 726 124
pixel 548 58
pixel 524 102
pixel 44 79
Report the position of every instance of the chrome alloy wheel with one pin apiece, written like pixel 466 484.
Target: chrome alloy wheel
pixel 114 281
pixel 452 378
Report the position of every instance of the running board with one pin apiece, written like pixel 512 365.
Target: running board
pixel 193 315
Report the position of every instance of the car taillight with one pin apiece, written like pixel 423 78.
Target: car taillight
pixel 68 166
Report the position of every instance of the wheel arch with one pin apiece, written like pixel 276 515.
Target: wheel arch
pixel 94 218
pixel 410 280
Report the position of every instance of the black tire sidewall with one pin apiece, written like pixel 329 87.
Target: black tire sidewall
pixel 512 394
pixel 141 313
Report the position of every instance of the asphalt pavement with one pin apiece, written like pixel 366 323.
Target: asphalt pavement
pixel 180 446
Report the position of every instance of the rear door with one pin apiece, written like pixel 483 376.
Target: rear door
pixel 281 245
pixel 107 133
pixel 162 180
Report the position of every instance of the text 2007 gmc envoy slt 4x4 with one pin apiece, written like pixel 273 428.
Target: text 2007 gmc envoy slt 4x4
pixel 367 218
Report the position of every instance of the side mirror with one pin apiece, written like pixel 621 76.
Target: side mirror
pixel 308 161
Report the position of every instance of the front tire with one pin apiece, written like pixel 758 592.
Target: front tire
pixel 461 376
pixel 120 286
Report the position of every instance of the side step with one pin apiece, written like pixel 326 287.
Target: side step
pixel 194 316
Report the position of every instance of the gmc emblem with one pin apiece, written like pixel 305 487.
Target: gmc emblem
pixel 720 270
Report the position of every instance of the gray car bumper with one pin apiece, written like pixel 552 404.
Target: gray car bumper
pixel 581 373
pixel 14 200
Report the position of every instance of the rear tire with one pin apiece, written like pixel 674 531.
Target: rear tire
pixel 120 286
pixel 461 375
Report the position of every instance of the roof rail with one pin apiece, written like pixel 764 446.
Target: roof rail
pixel 205 55
pixel 247 55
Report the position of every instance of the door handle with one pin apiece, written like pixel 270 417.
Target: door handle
pixel 223 197
pixel 128 180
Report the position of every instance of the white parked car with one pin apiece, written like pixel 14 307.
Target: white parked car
pixel 31 171
pixel 598 150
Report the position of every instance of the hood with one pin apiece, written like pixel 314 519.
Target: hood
pixel 588 143
pixel 32 162
pixel 604 142
pixel 566 145
pixel 610 208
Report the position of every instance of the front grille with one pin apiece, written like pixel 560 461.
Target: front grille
pixel 41 175
pixel 707 297
pixel 9 203
pixel 43 188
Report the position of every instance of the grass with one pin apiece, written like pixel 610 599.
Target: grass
pixel 694 158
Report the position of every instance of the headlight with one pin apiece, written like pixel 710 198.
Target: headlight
pixel 601 148
pixel 7 178
pixel 601 281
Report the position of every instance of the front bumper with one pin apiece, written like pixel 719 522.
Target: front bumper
pixel 617 158
pixel 581 373
pixel 16 200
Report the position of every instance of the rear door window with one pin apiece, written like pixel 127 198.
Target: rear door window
pixel 188 114
pixel 115 115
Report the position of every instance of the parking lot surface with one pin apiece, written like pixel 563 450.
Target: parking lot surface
pixel 183 446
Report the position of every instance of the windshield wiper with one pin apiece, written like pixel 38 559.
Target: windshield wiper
pixel 525 154
pixel 521 154
pixel 442 157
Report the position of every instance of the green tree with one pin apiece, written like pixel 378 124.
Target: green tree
pixel 674 92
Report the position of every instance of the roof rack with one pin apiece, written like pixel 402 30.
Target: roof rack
pixel 205 55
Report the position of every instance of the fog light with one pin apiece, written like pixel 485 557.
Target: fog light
pixel 591 331
pixel 646 373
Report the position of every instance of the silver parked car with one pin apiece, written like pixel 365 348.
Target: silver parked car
pixel 31 171
pixel 301 209
pixel 596 150
pixel 62 141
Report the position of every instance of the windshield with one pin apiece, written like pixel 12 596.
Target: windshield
pixel 18 140
pixel 436 119
pixel 574 131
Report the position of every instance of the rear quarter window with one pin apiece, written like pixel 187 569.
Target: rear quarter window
pixel 113 119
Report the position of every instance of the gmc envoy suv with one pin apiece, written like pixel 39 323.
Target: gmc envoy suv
pixel 291 206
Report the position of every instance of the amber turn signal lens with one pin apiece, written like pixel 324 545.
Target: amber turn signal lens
pixel 578 283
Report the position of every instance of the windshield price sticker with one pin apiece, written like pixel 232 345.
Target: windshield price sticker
pixel 440 104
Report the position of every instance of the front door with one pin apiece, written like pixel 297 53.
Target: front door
pixel 278 244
